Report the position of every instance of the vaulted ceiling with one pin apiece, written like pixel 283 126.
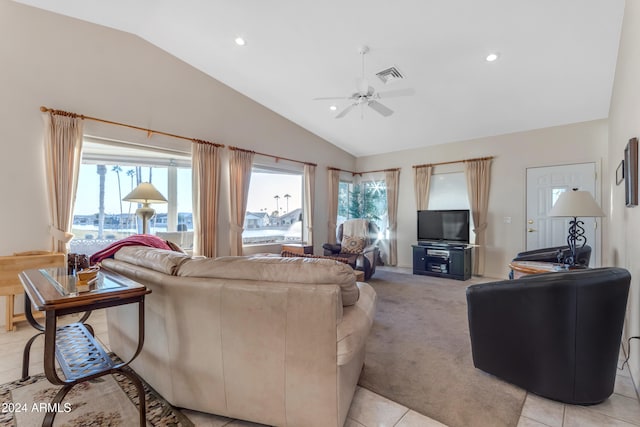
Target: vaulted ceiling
pixel 556 60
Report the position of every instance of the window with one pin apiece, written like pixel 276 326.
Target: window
pixel 109 171
pixel 367 199
pixel 274 206
pixel 449 191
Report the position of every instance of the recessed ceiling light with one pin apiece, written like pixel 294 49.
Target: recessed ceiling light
pixel 333 108
pixel 492 57
pixel 240 41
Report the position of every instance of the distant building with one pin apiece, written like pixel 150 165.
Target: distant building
pixel 256 220
pixel 288 218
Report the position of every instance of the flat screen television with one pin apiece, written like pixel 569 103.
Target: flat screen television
pixel 445 226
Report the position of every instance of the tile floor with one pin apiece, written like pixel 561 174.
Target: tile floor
pixel 369 409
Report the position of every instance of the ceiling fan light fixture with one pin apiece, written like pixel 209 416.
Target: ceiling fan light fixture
pixel 240 41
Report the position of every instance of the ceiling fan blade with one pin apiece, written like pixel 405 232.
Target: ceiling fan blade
pixel 345 111
pixel 331 98
pixel 385 111
pixel 397 92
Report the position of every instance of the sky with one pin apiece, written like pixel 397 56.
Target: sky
pixel 263 188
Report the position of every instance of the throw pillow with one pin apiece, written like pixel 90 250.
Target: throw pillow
pixel 352 245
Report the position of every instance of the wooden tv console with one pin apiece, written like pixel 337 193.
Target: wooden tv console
pixel 452 261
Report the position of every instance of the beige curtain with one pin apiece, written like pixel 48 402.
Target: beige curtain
pixel 478 174
pixel 240 166
pixel 206 190
pixel 392 183
pixel 63 151
pixel 421 183
pixel 309 201
pixel 332 203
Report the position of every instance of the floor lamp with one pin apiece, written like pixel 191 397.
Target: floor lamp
pixel 575 204
pixel 146 194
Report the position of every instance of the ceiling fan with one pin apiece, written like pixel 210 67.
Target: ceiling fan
pixel 367 95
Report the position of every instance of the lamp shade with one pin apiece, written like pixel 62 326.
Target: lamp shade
pixel 145 192
pixel 576 204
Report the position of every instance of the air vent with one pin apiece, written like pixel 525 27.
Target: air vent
pixel 390 75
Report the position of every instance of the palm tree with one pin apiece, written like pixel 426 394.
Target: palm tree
pixel 277 200
pixel 287 196
pixel 117 169
pixel 102 171
pixel 130 173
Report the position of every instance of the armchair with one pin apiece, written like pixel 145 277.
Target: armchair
pixel 555 334
pixel 361 235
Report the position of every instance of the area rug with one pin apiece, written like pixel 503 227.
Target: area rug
pixel 110 400
pixel 419 354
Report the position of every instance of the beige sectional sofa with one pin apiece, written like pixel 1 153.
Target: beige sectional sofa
pixel 279 341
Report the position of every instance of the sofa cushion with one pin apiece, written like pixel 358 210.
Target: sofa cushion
pixel 161 260
pixel 312 271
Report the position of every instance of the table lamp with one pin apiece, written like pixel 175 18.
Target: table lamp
pixel 146 194
pixel 575 204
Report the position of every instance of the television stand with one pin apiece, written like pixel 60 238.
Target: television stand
pixel 439 259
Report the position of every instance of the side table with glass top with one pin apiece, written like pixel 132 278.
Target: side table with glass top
pixel 78 353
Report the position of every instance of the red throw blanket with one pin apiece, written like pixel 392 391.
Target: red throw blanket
pixel 135 240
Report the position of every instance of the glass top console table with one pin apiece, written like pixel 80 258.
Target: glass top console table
pixel 79 355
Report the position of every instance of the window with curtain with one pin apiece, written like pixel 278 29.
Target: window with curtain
pixel 367 199
pixel 274 206
pixel 449 191
pixel 109 171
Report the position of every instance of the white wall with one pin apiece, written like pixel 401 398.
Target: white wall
pixel 624 123
pixel 68 64
pixel 575 143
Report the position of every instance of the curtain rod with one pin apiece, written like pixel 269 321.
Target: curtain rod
pixel 453 161
pixel 360 173
pixel 271 155
pixel 150 132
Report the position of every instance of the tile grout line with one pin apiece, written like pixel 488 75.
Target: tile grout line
pixel 537 421
pixel 589 408
pixel 401 417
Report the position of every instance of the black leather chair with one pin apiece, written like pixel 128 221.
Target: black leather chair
pixel 556 254
pixel 554 334
pixel 365 260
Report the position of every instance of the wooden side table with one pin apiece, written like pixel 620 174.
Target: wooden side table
pixel 523 268
pixel 10 286
pixel 298 248
pixel 79 355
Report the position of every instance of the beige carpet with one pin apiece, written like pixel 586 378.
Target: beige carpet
pixel 106 401
pixel 419 354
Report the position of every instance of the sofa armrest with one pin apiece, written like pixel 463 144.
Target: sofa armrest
pixel 547 255
pixel 553 249
pixel 356 324
pixel 332 248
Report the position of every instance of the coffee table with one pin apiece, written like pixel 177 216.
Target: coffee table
pixel 79 355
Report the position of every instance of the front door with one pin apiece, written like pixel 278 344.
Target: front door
pixel 544 186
